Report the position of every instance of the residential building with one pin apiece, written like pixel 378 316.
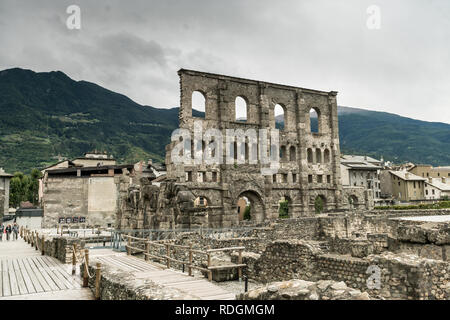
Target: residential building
pixel 406 186
pixel 5 179
pixel 361 171
pixel 428 171
pixel 83 190
pixel 437 188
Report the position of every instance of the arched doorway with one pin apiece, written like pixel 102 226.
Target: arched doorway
pixel 250 206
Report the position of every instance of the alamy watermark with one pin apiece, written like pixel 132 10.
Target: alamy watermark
pixel 374 20
pixel 374 280
pixel 249 146
pixel 74 19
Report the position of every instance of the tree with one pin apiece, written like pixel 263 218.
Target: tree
pixel 284 209
pixel 247 213
pixel 318 204
pixel 24 188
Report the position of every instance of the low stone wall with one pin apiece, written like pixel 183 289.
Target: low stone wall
pixel 305 290
pixel 410 277
pixel 351 270
pixel 61 248
pixel 287 259
pixel 374 244
pixel 425 239
pixel 401 276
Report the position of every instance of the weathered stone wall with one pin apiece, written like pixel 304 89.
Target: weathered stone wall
pixel 402 276
pixel 309 167
pixel 305 290
pixel 287 259
pixel 351 270
pixel 410 277
pixel 61 248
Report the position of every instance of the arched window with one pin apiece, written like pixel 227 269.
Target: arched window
pixel 278 112
pixel 318 155
pixel 326 156
pixel 198 104
pixel 247 151
pixel 283 153
pixel 314 117
pixel 292 155
pixel 240 109
pixel 310 155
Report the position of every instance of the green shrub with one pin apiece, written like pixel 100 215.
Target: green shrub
pixel 284 209
pixel 247 213
pixel 318 204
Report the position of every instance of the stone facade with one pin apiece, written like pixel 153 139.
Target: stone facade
pixel 309 162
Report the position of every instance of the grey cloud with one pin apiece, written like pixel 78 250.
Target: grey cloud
pixel 136 47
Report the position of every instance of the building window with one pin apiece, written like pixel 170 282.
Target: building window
pixel 240 109
pixel 414 183
pixel 432 191
pixel 310 178
pixel 279 115
pixel 399 183
pixel 310 155
pixel 294 177
pixel 328 178
pixel 284 175
pixel 274 178
pixel 283 153
pixel 189 176
pixel 314 120
pixel 318 155
pixel 292 155
pixel 82 219
pixel 319 178
pixel 198 103
pixel 426 192
pixel 214 176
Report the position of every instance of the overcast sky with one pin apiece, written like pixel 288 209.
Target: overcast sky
pixel 136 47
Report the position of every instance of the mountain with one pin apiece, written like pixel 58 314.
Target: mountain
pixel 46 115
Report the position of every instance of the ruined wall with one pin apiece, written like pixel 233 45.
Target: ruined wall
pixel 300 178
pixel 402 276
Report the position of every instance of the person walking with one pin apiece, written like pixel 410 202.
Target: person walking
pixel 15 229
pixel 8 231
pixel 2 230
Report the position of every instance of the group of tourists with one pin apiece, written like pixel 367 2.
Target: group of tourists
pixel 14 229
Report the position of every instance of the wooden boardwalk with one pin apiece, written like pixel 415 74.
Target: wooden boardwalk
pixel 25 274
pixel 197 286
